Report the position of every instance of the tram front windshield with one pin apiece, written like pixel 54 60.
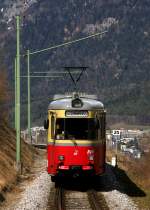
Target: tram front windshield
pixel 75 128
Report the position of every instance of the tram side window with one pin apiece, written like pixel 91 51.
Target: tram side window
pixel 52 126
pixel 103 126
pixel 60 128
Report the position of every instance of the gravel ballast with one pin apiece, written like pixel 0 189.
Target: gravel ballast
pixel 115 198
pixel 35 194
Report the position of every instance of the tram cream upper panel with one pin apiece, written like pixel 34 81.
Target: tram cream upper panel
pixel 66 104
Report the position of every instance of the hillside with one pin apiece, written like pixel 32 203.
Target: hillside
pixel 118 61
pixel 8 172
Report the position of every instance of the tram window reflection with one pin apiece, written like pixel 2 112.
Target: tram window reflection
pixel 75 128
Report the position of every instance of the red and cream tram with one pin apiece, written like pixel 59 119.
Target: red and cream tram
pixel 76 136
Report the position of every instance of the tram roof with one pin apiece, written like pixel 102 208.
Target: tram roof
pixel 90 102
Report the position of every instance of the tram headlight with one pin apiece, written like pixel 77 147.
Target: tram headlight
pixel 77 103
pixel 90 154
pixel 91 157
pixel 61 157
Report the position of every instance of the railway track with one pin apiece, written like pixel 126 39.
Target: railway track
pixel 97 201
pixel 60 199
pixel 74 200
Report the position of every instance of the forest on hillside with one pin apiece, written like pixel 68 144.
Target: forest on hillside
pixel 118 61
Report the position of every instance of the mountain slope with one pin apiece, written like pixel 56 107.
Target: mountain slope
pixel 118 61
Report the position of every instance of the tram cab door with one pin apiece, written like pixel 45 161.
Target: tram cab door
pixel 51 138
pixel 52 126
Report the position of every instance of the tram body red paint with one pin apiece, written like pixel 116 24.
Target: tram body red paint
pixel 75 156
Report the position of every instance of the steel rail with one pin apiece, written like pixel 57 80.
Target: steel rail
pixel 97 202
pixel 59 199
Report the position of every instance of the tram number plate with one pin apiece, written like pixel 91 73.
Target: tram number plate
pixel 76 167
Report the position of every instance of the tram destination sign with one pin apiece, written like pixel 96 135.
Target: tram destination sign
pixel 76 113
